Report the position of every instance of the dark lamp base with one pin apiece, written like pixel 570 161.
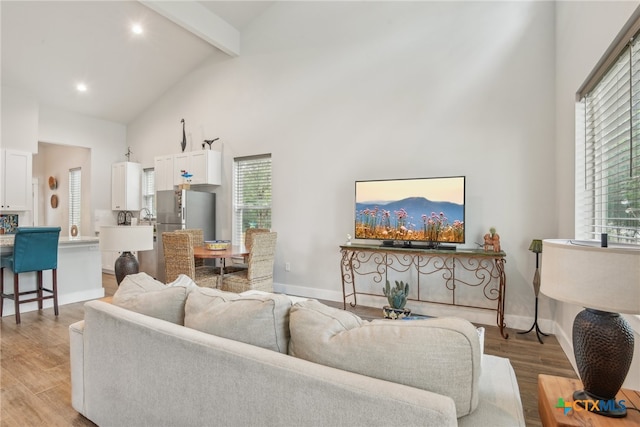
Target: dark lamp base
pixel 604 407
pixel 126 264
pixel 603 346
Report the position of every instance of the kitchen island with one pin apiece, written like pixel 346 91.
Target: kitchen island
pixel 79 273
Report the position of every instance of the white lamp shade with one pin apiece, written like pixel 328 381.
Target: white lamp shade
pixel 583 273
pixel 126 238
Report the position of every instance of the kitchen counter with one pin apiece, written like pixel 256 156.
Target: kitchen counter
pixel 79 272
pixel 6 240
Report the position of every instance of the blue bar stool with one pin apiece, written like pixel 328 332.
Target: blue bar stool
pixel 34 249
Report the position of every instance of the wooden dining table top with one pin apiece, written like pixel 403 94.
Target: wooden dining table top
pixel 230 252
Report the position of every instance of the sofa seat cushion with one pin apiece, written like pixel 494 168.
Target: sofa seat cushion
pixel 441 355
pixel 143 294
pixel 260 320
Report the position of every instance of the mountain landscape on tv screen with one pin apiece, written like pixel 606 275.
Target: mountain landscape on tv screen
pixel 416 207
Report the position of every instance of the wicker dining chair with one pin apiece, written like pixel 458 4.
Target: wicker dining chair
pixel 248 233
pixel 178 259
pixel 197 239
pixel 259 274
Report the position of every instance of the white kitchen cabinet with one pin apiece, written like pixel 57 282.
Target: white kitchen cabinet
pixel 126 186
pixel 15 180
pixel 205 166
pixel 163 172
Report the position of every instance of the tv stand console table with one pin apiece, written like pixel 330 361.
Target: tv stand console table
pixel 463 268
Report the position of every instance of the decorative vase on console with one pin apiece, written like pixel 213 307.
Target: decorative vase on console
pixel 397 297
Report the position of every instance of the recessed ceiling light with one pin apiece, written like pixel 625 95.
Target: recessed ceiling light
pixel 136 28
pixel 81 87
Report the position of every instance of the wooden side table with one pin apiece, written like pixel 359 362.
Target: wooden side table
pixel 551 388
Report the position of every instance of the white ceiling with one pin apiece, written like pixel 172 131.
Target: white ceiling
pixel 50 46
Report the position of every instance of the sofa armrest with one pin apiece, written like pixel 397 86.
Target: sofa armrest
pixel 76 353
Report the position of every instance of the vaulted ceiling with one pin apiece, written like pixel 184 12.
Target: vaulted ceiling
pixel 49 47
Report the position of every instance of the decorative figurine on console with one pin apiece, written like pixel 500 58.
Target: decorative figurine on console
pixel 492 240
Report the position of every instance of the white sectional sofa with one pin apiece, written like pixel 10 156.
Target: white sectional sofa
pixel 179 355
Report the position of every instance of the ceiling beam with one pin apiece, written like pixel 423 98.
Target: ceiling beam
pixel 199 20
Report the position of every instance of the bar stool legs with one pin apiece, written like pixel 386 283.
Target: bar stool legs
pixel 40 297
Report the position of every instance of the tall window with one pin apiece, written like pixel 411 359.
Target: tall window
pixel 148 192
pixel 252 194
pixel 608 151
pixel 75 196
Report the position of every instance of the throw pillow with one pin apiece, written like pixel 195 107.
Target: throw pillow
pixel 441 355
pixel 143 294
pixel 260 320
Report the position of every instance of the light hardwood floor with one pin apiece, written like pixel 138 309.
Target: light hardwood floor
pixel 35 381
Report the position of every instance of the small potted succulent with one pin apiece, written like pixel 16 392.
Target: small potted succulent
pixel 397 297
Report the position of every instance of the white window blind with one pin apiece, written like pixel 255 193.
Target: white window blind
pixel 75 196
pixel 608 153
pixel 148 191
pixel 252 194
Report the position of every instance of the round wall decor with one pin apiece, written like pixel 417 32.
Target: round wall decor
pixel 54 201
pixel 53 183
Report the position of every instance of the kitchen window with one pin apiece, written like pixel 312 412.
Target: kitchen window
pixel 75 197
pixel 148 192
pixel 252 194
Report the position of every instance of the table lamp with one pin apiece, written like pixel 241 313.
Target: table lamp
pixel 606 281
pixel 126 239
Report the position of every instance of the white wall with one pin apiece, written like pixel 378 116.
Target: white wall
pixel 56 160
pixel 345 91
pixel 19 121
pixel 25 122
pixel 577 52
pixel 107 142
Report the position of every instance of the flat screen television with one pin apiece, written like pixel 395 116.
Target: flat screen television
pixel 426 211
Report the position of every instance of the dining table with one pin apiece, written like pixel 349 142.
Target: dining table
pixel 201 252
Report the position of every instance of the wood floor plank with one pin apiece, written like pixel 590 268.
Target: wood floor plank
pixel 35 373
pixel 27 409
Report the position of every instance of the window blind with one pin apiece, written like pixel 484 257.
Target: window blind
pixel 75 196
pixel 608 154
pixel 252 194
pixel 148 191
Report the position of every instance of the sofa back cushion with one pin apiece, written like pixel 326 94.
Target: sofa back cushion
pixel 143 294
pixel 441 355
pixel 260 320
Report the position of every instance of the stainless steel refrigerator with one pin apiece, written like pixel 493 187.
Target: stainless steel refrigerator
pixel 182 209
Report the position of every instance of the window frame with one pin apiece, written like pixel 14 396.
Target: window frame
pixel 148 192
pixel 607 156
pixel 239 164
pixel 75 197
